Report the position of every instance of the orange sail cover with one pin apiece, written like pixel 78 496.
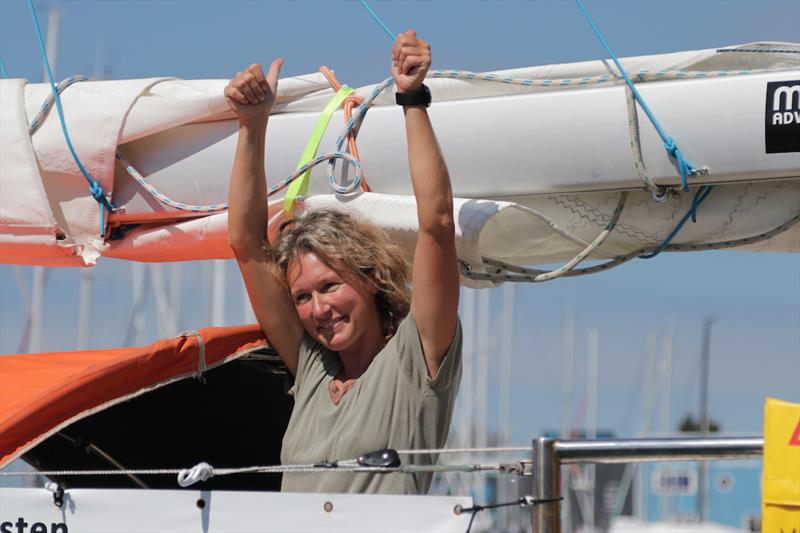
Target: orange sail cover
pixel 42 393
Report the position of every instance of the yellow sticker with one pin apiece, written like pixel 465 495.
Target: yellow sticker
pixel 781 476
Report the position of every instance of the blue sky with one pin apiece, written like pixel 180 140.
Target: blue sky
pixel 754 297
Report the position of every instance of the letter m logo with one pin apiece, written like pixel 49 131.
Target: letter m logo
pixel 786 98
pixel 782 117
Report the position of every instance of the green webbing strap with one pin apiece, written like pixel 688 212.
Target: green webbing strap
pixel 299 187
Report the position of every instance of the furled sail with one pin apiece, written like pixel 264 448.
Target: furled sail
pixel 539 158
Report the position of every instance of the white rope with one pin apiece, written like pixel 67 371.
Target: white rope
pixel 514 273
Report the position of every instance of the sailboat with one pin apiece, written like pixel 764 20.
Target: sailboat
pixel 549 164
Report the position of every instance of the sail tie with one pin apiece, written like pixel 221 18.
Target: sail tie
pixel 684 167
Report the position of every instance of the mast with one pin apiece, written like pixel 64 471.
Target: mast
pixel 666 411
pixel 84 308
pixel 591 419
pixel 702 495
pixel 51 40
pixel 38 282
pixel 218 293
pixel 507 354
pixel 176 295
pixel 466 407
pixel 566 409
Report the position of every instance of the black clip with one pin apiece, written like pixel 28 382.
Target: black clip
pixel 387 458
pixel 58 496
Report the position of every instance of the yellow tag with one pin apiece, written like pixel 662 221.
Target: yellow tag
pixel 299 187
pixel 780 509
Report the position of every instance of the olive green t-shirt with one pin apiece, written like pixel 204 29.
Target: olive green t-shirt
pixel 394 404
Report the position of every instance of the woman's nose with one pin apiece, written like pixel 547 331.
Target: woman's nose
pixel 320 306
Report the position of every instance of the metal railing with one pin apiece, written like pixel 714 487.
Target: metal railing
pixel 550 454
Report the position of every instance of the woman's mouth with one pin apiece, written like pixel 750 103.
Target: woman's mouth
pixel 330 326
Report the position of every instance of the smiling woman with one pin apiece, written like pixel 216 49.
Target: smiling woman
pixel 375 364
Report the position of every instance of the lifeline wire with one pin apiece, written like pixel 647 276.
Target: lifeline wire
pixel 3 71
pixel 684 166
pixel 94 187
pixel 525 501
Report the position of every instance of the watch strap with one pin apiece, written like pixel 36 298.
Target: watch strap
pixel 420 97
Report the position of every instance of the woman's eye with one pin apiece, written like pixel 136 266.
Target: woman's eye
pixel 301 298
pixel 328 287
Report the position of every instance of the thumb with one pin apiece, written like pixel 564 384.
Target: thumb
pixel 274 71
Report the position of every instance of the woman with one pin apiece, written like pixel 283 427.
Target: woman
pixel 372 369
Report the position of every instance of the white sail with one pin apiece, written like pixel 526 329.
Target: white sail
pixel 538 158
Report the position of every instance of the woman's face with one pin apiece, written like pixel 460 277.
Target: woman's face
pixel 337 310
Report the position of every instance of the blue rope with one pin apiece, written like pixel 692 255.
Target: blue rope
pixel 3 71
pixel 684 167
pixel 375 16
pixel 699 197
pixel 95 188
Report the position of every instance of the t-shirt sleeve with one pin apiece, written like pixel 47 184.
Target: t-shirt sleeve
pixel 308 351
pixel 411 357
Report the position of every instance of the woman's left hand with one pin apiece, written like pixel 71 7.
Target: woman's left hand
pixel 411 59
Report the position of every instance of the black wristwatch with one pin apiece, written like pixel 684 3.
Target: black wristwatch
pixel 419 97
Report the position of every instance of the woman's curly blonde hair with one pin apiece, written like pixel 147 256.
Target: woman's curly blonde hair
pixel 346 242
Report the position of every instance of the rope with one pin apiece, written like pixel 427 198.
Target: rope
pixel 350 102
pixel 95 189
pixel 47 105
pixel 3 71
pixel 659 193
pixel 204 471
pixel 525 501
pixel 377 19
pixel 201 352
pixel 685 168
pixel 699 197
pixel 349 130
pixel 641 76
pixel 537 276
pixel 759 50
pixel 523 274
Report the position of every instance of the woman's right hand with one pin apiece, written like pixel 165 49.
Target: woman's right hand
pixel 251 94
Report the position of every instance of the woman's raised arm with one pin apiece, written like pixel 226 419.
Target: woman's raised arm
pixel 252 94
pixel 434 299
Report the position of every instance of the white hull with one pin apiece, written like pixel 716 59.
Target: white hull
pixel 195 511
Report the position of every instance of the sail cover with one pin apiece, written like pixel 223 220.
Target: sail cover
pixel 536 164
pixel 43 393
